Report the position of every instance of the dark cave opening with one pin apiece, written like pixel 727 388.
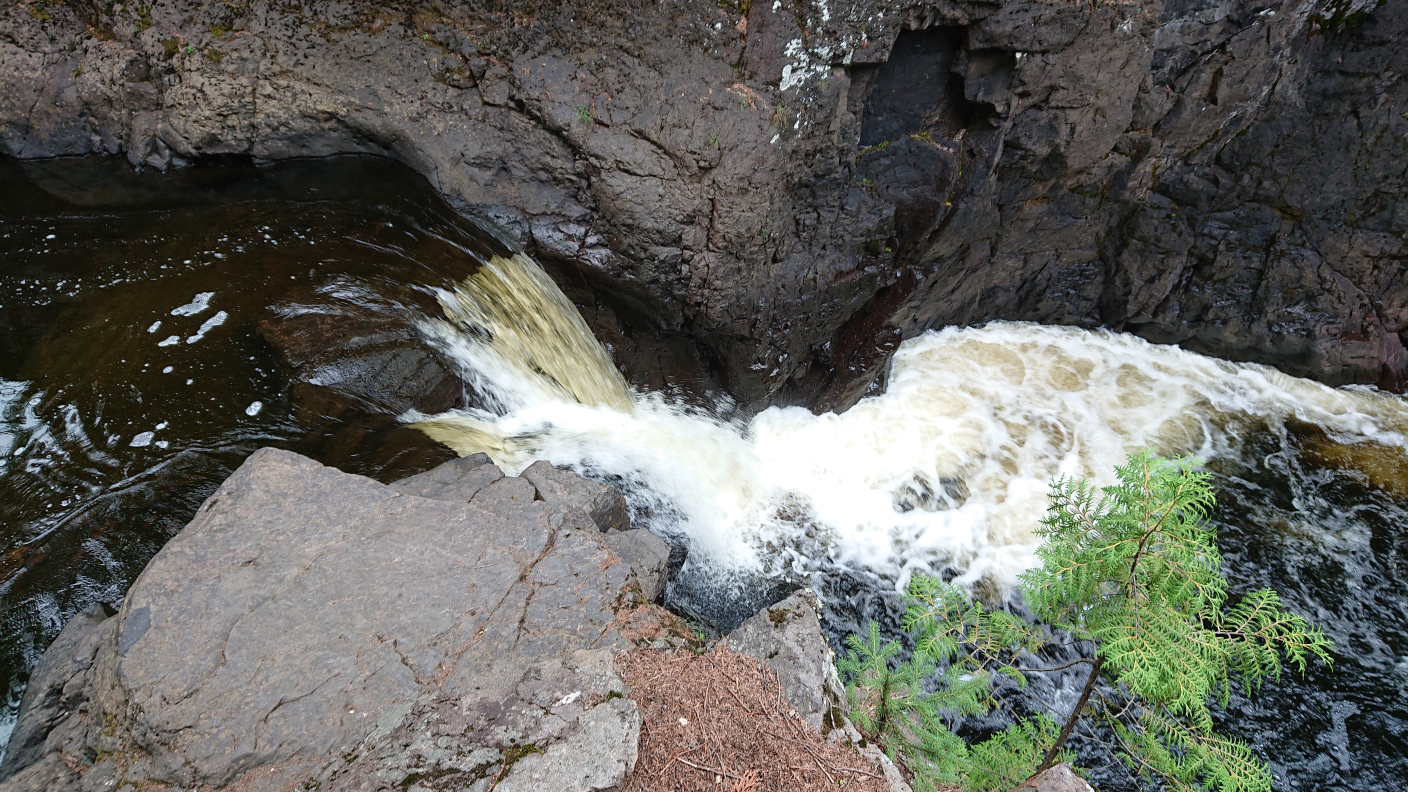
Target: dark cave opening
pixel 916 89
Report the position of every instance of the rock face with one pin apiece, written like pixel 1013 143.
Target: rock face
pixel 785 192
pixel 310 625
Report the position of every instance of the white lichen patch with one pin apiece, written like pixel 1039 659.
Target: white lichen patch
pixel 804 65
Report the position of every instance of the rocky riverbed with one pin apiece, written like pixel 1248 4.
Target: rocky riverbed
pixel 778 192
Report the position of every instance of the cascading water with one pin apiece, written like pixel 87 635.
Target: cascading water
pixel 111 435
pixel 948 468
pixel 947 472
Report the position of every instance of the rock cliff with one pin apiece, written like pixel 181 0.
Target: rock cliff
pixel 778 192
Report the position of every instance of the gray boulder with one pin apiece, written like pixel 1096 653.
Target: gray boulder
pixel 456 480
pixel 1060 778
pixel 311 625
pixel 647 554
pixel 787 638
pixel 563 488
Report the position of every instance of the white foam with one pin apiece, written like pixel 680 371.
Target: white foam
pixel 254 408
pixel 155 326
pixel 168 341
pixel 195 306
pixel 950 466
pixel 142 440
pixel 208 325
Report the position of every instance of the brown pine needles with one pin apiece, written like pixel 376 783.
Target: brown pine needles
pixel 718 722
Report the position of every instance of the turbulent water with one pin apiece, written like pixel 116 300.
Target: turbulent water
pixel 132 381
pixel 947 472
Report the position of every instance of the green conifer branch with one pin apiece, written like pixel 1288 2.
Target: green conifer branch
pixel 1132 568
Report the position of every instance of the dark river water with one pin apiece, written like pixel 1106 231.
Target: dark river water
pixel 134 379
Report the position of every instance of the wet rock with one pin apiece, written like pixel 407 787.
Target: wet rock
pixel 310 625
pixel 55 690
pixel 787 638
pixel 557 487
pixel 744 190
pixel 1060 778
pixel 350 376
pixel 375 362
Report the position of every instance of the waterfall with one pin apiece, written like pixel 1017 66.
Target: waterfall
pixel 948 467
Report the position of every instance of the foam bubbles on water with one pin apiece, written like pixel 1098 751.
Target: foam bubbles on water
pixel 142 439
pixel 195 306
pixel 254 408
pixel 169 340
pixel 208 325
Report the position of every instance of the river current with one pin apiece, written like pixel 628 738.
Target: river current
pixel 132 381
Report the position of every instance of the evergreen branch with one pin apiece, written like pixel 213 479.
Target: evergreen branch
pixel 1133 569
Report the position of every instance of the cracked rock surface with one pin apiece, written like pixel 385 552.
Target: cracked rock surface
pixel 311 625
pixel 771 195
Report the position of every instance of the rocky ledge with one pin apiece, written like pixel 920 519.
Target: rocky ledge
pixel 314 626
pixel 777 192
pixel 457 630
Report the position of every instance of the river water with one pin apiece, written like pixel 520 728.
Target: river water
pixel 111 433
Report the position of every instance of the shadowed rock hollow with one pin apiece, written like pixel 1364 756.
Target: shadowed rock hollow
pixel 774 194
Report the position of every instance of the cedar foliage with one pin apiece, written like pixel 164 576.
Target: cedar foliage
pixel 1131 570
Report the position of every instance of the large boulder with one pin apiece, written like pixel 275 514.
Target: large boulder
pixel 310 625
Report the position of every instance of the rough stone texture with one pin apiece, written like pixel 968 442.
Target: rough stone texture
pixel 787 638
pixel 310 624
pixel 647 554
pixel 1060 778
pixel 598 757
pixel 456 480
pixel 778 197
pixel 563 488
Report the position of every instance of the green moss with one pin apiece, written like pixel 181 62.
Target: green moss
pixel 214 55
pixel 514 753
pixel 171 46
pixel 218 30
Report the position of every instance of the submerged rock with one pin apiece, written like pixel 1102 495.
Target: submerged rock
pixel 310 625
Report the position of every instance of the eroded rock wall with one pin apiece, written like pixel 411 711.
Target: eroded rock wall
pixel 777 192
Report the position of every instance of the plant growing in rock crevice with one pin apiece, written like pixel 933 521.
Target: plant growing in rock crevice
pixel 1132 571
